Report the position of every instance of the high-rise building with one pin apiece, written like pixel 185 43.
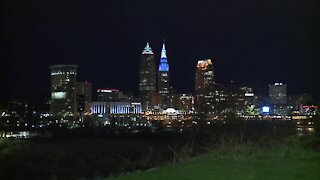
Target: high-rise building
pixel 278 93
pixel 147 75
pixel 204 87
pixel 186 103
pixel 63 90
pixel 164 79
pixel 163 73
pixel 84 96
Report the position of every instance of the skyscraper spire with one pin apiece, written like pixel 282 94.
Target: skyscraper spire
pixel 147 49
pixel 163 51
pixel 163 66
pixel 163 75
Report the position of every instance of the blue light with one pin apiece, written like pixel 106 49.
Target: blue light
pixel 265 109
pixel 163 66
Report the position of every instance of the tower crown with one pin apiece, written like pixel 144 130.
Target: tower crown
pixel 147 49
pixel 163 51
pixel 163 66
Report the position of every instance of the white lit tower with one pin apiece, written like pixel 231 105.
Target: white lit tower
pixel 147 75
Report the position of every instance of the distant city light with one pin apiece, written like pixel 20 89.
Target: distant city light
pixel 249 94
pixel 107 90
pixel 278 84
pixel 58 95
pixel 265 109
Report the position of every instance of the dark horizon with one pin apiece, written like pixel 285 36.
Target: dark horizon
pixel 252 43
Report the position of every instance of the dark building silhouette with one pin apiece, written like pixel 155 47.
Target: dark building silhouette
pixel 204 87
pixel 147 76
pixel 108 95
pixel 84 96
pixel 278 93
pixel 80 103
pixel 63 90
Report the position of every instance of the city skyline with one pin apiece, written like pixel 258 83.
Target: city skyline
pixel 267 47
pixel 150 89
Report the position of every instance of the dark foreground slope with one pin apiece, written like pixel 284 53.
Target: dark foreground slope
pixel 283 162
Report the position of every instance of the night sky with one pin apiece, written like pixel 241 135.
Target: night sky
pixel 251 42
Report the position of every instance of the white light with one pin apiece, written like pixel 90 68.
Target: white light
pixel 249 94
pixel 103 90
pixel 265 109
pixel 58 95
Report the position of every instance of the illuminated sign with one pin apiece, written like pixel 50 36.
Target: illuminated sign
pixel 249 94
pixel 58 95
pixel 107 90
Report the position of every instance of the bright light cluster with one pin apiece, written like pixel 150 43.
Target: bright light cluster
pixel 203 64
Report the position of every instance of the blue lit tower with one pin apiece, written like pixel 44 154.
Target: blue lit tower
pixel 163 73
pixel 147 75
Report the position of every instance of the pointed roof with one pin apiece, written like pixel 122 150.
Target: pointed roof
pixel 163 66
pixel 163 51
pixel 147 49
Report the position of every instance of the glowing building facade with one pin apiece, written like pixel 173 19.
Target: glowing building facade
pixel 147 75
pixel 63 90
pixel 116 108
pixel 204 87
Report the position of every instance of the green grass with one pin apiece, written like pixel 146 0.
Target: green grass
pixel 280 163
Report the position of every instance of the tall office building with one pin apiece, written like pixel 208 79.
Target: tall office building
pixel 163 73
pixel 164 79
pixel 186 103
pixel 204 87
pixel 278 93
pixel 84 96
pixel 147 75
pixel 63 90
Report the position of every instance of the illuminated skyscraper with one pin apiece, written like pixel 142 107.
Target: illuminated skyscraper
pixel 204 87
pixel 164 79
pixel 163 73
pixel 147 75
pixel 63 89
pixel 278 93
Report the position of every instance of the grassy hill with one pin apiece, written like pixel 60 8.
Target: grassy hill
pixel 244 162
